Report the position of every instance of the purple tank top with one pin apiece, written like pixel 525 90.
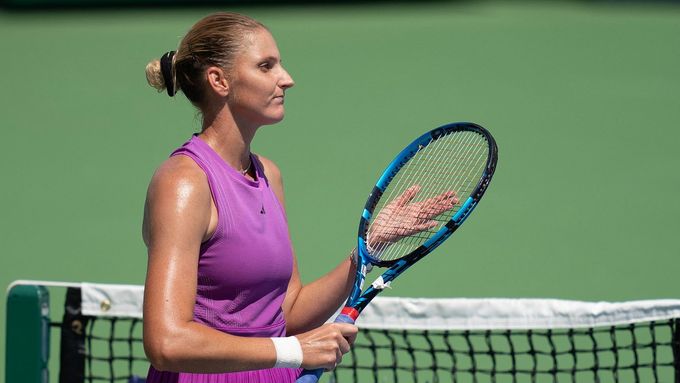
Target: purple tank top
pixel 244 268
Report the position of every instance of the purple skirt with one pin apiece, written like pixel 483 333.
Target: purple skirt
pixel 271 375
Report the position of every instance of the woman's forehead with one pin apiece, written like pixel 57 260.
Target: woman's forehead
pixel 260 44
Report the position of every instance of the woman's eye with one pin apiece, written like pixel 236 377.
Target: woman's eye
pixel 265 66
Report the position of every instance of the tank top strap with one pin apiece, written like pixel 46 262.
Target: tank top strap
pixel 259 169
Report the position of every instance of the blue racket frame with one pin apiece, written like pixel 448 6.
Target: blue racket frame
pixel 357 300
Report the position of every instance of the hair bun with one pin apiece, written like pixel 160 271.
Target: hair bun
pixel 159 73
pixel 154 76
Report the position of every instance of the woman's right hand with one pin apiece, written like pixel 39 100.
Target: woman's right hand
pixel 324 346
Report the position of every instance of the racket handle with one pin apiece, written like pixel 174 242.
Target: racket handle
pixel 344 318
pixel 313 376
pixel 310 376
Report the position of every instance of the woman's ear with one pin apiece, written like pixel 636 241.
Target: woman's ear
pixel 217 80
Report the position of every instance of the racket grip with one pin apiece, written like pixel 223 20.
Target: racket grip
pixel 313 376
pixel 310 376
pixel 344 318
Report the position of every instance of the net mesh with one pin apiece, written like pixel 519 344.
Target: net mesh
pixel 641 352
pixel 111 351
pixel 99 348
pixel 427 191
pixel 403 340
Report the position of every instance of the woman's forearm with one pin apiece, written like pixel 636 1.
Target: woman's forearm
pixel 318 300
pixel 193 347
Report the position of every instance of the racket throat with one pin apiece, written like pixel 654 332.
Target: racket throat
pixel 380 284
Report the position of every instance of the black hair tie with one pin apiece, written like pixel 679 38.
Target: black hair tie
pixel 166 71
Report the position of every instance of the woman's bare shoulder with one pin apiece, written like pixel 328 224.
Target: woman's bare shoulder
pixel 178 197
pixel 271 170
pixel 178 171
pixel 273 174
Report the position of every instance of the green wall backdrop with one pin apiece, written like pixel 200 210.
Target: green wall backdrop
pixel 583 98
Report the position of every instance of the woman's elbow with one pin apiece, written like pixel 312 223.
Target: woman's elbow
pixel 162 352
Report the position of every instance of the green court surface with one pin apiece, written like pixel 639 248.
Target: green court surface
pixel 582 97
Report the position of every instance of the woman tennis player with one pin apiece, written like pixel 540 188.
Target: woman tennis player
pixel 223 293
pixel 223 298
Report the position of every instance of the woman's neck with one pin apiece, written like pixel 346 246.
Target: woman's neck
pixel 229 139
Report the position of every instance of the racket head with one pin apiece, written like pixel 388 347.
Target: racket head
pixel 458 157
pixel 447 221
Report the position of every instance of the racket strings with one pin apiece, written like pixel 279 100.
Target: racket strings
pixel 406 245
pixel 433 158
pixel 453 163
pixel 467 176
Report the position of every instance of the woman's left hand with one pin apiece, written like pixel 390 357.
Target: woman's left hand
pixel 402 218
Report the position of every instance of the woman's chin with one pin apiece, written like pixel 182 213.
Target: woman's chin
pixel 273 119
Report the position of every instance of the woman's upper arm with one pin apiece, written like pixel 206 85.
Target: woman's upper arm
pixel 176 218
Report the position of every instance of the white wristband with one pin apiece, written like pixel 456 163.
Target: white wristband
pixel 288 352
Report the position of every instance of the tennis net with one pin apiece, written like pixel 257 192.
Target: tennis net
pixel 416 340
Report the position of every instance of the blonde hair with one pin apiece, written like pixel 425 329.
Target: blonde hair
pixel 212 41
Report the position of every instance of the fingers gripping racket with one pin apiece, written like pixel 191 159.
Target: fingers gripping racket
pixel 422 197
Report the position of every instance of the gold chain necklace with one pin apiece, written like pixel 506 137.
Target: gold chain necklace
pixel 245 171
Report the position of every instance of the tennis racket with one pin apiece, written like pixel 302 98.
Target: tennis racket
pixel 422 197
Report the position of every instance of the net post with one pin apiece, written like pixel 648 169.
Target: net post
pixel 28 334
